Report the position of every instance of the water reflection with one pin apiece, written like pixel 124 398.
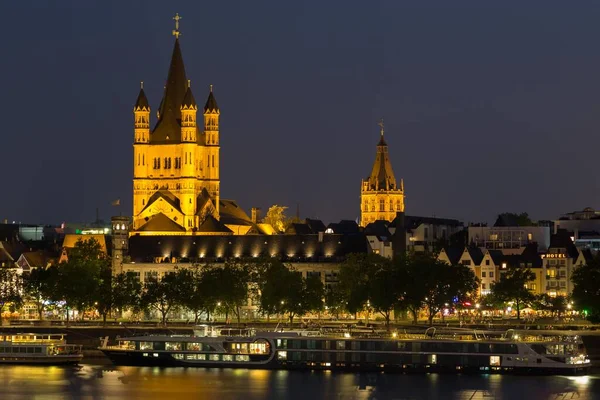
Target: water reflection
pixel 101 382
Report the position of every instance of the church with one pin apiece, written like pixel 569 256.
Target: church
pixel 176 184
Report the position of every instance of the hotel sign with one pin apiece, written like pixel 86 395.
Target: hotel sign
pixel 553 255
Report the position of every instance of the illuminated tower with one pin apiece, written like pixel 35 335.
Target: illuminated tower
pixel 381 197
pixel 141 116
pixel 189 130
pixel 211 141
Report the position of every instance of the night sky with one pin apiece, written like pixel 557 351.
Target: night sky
pixel 489 106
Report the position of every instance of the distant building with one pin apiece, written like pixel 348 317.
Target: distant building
pixel 509 239
pixel 381 196
pixel 488 265
pixel 583 227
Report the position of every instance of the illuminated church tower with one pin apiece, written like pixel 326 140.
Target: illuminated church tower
pixel 380 196
pixel 176 164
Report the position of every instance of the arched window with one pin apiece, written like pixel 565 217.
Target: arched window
pixel 382 205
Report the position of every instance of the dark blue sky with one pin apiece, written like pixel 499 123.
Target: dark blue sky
pixel 490 106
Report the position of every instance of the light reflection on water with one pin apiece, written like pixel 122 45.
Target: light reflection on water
pixel 101 382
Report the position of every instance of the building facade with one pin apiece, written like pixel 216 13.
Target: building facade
pixel 381 196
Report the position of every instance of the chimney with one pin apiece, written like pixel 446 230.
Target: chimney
pixel 254 214
pixel 399 237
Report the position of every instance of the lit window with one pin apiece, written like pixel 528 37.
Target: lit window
pixel 282 355
pixel 495 361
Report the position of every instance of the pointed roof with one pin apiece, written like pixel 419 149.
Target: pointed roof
pixel 211 103
pixel 142 102
pixel 160 222
pixel 168 125
pixel 382 175
pixel 212 225
pixel 188 99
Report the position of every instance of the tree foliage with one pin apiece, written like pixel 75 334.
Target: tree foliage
pixel 164 294
pixel 586 289
pixel 511 288
pixel 39 286
pixel 10 288
pixel 276 218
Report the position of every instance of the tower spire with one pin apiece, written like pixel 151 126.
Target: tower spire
pixel 176 32
pixel 382 126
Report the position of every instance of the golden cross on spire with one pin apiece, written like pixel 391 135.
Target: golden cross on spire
pixel 381 126
pixel 211 88
pixel 176 32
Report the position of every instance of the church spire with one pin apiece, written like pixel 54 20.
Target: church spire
pixel 169 121
pixel 211 103
pixel 142 102
pixel 382 175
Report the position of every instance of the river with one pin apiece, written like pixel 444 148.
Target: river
pixel 107 382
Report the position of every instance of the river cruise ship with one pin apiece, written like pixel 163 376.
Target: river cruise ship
pixel 38 348
pixel 429 351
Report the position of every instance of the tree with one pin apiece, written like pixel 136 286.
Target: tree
pixel 273 278
pixel 39 286
pixel 194 297
pixel 233 288
pixel 276 218
pixel 164 294
pixel 356 273
pixel 387 288
pixel 80 278
pixel 10 288
pixel 510 219
pixel 284 290
pixel 334 301
pixel 511 287
pixel 586 289
pixel 126 291
pixel 104 299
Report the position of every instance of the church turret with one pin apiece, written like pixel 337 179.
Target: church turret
pixel 141 159
pixel 141 113
pixel 381 195
pixel 211 119
pixel 189 129
pixel 211 141
pixel 189 109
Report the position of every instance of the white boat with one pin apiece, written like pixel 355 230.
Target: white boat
pixel 38 348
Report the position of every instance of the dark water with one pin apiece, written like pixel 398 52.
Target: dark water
pixel 101 382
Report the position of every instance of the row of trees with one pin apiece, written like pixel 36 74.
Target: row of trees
pixel 371 282
pixel 367 282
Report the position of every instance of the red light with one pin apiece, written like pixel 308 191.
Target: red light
pixel 466 303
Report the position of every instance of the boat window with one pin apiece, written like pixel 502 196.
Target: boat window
pixel 126 344
pixel 341 345
pixel 173 346
pixel 242 358
pixel 282 355
pixel 146 346
pixel 30 349
pixel 214 357
pixel 239 348
pixel 259 347
pixel 194 346
pixel 495 361
pixel 202 357
pixel 178 356
pixel 227 357
pixel 432 359
pixel 281 343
